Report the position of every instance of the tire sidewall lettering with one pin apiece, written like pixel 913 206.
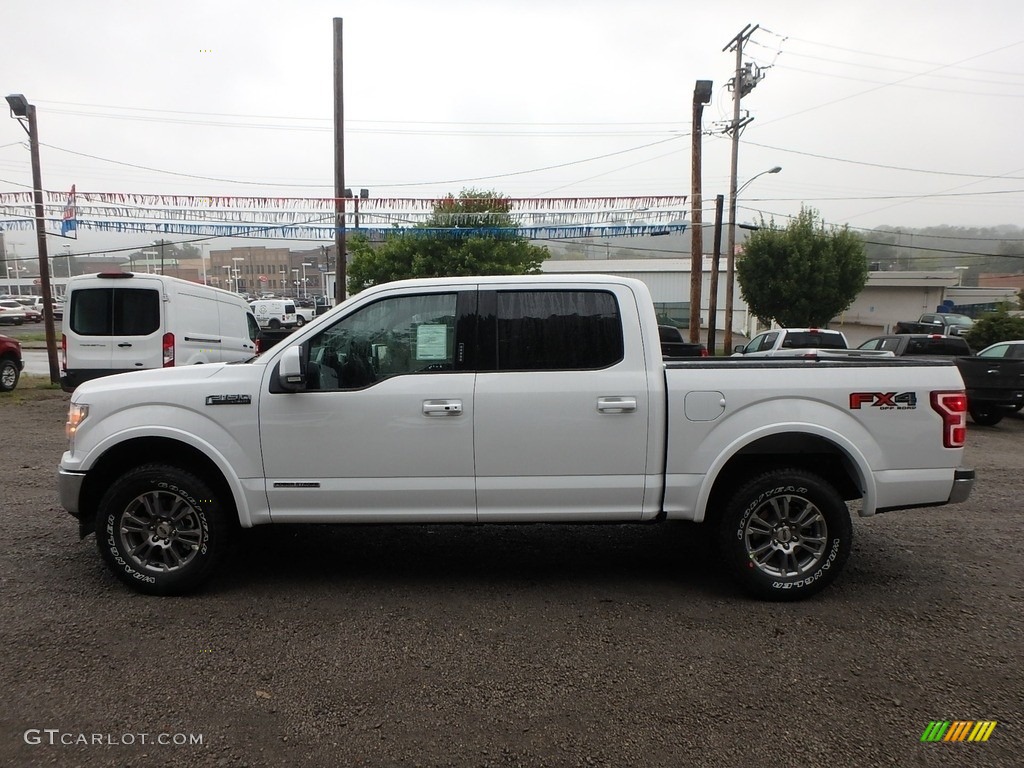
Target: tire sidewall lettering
pixel 121 562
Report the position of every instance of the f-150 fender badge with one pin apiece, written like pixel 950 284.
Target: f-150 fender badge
pixel 228 399
pixel 886 401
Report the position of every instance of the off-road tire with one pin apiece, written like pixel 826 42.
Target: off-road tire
pixel 785 534
pixel 162 530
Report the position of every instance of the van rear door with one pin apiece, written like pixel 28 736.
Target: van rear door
pixel 114 329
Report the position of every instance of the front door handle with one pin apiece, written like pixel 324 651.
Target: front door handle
pixel 442 407
pixel 616 404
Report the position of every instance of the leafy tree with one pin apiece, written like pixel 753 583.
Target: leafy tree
pixel 448 252
pixel 803 275
pixel 995 326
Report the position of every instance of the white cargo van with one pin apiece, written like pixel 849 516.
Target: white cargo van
pixel 116 322
pixel 275 313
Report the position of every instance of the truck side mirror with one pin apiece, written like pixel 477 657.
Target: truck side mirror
pixel 291 372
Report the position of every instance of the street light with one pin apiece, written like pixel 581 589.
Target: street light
pixel 730 257
pixel 236 270
pixel 305 290
pixel 24 113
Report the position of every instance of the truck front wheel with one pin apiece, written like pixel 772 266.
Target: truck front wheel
pixel 785 535
pixel 161 530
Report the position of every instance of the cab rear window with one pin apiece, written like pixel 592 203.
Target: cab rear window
pixel 114 311
pixel 808 339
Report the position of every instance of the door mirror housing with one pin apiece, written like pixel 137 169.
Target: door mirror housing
pixel 740 348
pixel 291 371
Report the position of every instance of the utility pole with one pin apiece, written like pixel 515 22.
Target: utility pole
pixel 21 109
pixel 339 167
pixel 742 83
pixel 713 298
pixel 701 96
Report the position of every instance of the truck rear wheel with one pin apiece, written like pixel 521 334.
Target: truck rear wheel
pixel 986 416
pixel 785 535
pixel 161 530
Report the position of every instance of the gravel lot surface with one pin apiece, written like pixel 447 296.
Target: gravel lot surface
pixel 508 646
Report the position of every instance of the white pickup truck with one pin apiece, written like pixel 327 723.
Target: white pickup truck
pixel 508 400
pixel 803 342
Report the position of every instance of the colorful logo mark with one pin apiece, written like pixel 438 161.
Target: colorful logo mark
pixel 959 730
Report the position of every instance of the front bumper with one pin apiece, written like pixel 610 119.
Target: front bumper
pixel 69 488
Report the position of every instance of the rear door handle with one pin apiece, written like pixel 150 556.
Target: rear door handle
pixel 442 407
pixel 616 404
pixel 124 344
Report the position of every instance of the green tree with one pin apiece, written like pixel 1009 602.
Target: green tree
pixel 448 252
pixel 995 326
pixel 803 275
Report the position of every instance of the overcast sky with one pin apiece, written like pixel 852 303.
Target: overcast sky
pixel 898 113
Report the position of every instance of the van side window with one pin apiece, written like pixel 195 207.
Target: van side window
pixel 393 336
pixel 115 311
pixel 558 330
pixel 254 327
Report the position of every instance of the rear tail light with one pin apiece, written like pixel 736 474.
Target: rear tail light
pixel 703 351
pixel 64 351
pixel 259 346
pixel 952 407
pixel 168 350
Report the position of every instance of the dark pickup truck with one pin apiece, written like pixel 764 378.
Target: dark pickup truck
pixel 994 379
pixel 945 323
pixel 673 345
pixel 920 345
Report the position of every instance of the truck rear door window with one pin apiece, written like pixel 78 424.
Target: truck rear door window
pixel 558 330
pixel 115 311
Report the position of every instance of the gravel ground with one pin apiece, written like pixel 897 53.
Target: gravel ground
pixel 508 646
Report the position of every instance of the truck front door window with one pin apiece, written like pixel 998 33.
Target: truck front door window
pixel 391 337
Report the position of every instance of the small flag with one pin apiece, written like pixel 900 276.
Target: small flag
pixel 69 224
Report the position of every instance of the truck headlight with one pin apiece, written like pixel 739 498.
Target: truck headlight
pixel 77 413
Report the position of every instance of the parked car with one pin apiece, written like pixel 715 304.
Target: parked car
pixel 304 313
pixel 802 342
pixel 995 381
pixel 10 363
pixel 946 323
pixel 275 313
pixel 12 312
pixel 920 345
pixel 1012 349
pixel 34 302
pixel 120 321
pixel 673 345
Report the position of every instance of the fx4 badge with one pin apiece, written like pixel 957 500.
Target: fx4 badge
pixel 886 401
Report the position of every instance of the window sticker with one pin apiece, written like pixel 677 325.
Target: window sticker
pixel 432 342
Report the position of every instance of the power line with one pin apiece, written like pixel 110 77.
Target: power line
pixel 888 85
pixel 885 55
pixel 880 165
pixel 405 184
